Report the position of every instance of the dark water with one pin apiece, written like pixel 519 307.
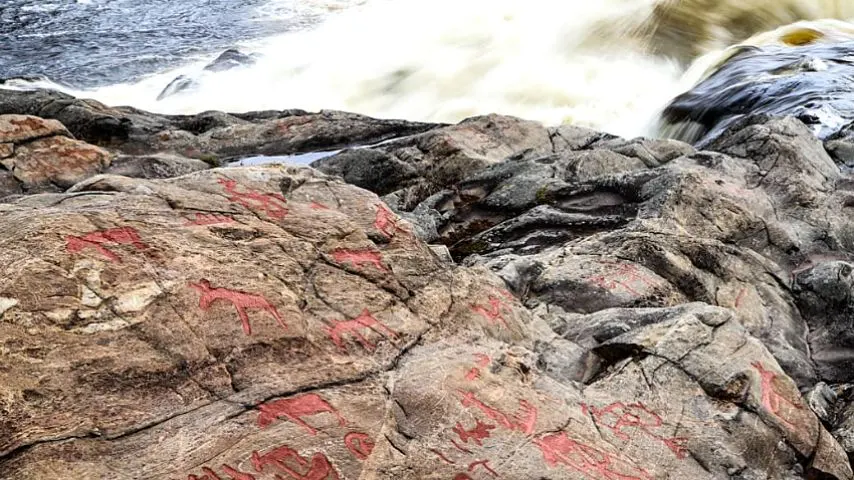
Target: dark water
pixel 98 42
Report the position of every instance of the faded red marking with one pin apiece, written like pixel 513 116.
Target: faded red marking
pixel 597 464
pixel 629 273
pixel 241 301
pixel 318 206
pixel 236 475
pixel 771 397
pixel 477 434
pixel 524 421
pixel 619 416
pixel 740 297
pixel 493 315
pixel 273 204
pixel 96 240
pixel 462 476
pixel 482 463
pixel 482 359
pixel 359 444
pixel 460 447
pixel 442 456
pixel 208 474
pixel 289 461
pixel 365 321
pixel 295 408
pixel 386 222
pixel 359 258
pixel 209 219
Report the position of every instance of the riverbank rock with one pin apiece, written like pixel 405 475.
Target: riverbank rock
pixel 629 309
pixel 39 155
pixel 260 323
pixel 209 136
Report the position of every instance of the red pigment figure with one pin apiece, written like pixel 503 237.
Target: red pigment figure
pixel 619 416
pixel 493 315
pixel 363 321
pixel 208 475
pixel 358 258
pixel 771 397
pixel 318 206
pixel 524 421
pixel 319 467
pixel 359 444
pixel 482 463
pixel 209 219
pixel 273 204
pixel 295 408
pixel 235 475
pixel 386 222
pixel 477 434
pixel 558 448
pixel 442 456
pixel 460 447
pixel 482 362
pixel 241 301
pixel 462 476
pixel 740 297
pixel 231 472
pixel 630 274
pixel 96 240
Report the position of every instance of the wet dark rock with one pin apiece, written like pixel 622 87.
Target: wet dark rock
pixel 229 59
pixel 210 134
pixel 181 83
pixel 811 83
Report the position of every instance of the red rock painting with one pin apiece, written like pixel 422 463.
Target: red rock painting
pixel 241 301
pixel 360 258
pixel 492 314
pixel 523 421
pixel 442 456
pixel 386 222
pixel 560 450
pixel 204 219
pixel 288 461
pixel 623 277
pixel 619 417
pixel 484 464
pixel 364 322
pixel 476 434
pixel 273 204
pixel 99 239
pixel 318 206
pixel 482 361
pixel 772 399
pixel 359 444
pixel 295 408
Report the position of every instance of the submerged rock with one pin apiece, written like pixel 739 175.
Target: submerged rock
pixel 227 60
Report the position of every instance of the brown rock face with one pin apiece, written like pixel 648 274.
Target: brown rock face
pixel 42 155
pixel 57 160
pixel 21 128
pixel 273 323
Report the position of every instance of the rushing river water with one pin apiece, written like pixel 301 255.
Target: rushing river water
pixel 609 64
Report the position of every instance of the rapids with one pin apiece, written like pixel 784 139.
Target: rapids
pixel 608 64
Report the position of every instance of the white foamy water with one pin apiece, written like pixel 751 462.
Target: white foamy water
pixel 441 60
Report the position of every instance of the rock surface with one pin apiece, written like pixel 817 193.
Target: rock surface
pixel 621 310
pixel 40 155
pixel 210 136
